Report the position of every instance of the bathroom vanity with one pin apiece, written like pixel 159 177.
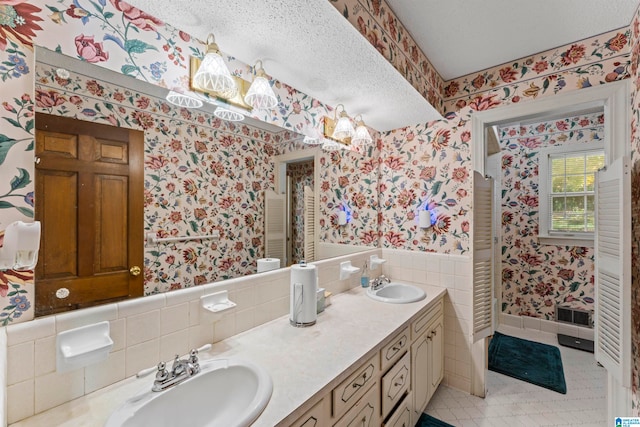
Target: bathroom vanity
pixel 363 360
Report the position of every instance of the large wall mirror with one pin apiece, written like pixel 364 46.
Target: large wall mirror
pixel 198 176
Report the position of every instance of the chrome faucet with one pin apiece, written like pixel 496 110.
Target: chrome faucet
pixel 379 282
pixel 181 369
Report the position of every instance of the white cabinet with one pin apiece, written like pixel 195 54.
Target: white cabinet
pixel 395 384
pixel 402 415
pixel 365 413
pixel 351 389
pixel 427 357
pixel 318 416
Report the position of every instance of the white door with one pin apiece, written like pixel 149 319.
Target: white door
pixel 613 270
pixel 309 225
pixel 482 256
pixel 275 226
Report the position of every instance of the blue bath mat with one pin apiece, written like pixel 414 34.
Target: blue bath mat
pixel 428 421
pixel 529 361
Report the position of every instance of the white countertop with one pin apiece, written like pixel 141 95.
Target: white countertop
pixel 302 362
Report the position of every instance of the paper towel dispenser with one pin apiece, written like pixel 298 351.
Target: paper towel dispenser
pixel 20 247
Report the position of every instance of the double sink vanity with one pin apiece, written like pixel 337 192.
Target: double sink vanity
pixel 366 362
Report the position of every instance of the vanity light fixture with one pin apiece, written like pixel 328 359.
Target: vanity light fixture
pixel 362 137
pixel 342 218
pixel 260 95
pixel 176 97
pixel 227 114
pixel 344 129
pixel 213 74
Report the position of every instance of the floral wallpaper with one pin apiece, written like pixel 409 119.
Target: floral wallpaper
pixel 379 25
pixel 16 166
pixel 535 277
pixel 301 176
pixel 349 182
pixel 202 175
pixel 635 208
pixel 596 60
pixel 426 167
pixel 114 35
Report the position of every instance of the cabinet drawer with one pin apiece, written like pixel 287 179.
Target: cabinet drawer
pixel 395 384
pixel 354 387
pixel 317 416
pixel 394 349
pixel 402 416
pixel 365 413
pixel 420 324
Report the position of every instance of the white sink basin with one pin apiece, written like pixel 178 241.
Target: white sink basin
pixel 397 293
pixel 227 392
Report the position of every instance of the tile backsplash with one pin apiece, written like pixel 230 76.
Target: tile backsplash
pixel 145 331
pixel 154 328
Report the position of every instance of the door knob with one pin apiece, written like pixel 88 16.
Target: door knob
pixel 135 270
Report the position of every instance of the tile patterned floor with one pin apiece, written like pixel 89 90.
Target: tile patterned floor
pixel 510 402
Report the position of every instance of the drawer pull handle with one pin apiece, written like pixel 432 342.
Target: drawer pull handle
pixel 434 332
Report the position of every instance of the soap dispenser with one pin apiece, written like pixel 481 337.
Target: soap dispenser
pixel 364 278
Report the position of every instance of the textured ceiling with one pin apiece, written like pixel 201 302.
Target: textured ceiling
pixel 461 37
pixel 310 46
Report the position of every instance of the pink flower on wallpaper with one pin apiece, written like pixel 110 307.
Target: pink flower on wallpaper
pixel 566 274
pixel 19 22
pixel 573 55
pixel 343 181
pixel 175 217
pixel 156 162
pixel 530 142
pixel 137 17
pixel 532 260
pixel 199 213
pixel 49 99
pixel 617 43
pixel 89 50
pixel 406 198
pixel 465 136
pixel 143 103
pixel 190 187
pixel 394 239
pixel 441 139
pixel 143 119
pixel 481 103
pixel 443 222
pixel 226 202
pixel 562 125
pixel 478 82
pixel 460 174
pixel 543 289
pixel 578 252
pixel 189 255
pixel 394 163
pixel 540 66
pixel 359 200
pixel 428 173
pixel 508 74
pixel 225 264
pixel 531 201
pixel 507 217
pixel 451 89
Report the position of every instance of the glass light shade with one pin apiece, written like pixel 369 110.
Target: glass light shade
pixel 344 128
pixel 213 74
pixel 229 115
pixel 182 100
pixel 260 95
pixel 329 145
pixel 362 136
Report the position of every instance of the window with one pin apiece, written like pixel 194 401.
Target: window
pixel 567 193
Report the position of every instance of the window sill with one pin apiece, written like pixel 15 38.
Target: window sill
pixel 566 241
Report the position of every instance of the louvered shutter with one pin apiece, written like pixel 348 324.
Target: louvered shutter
pixel 309 225
pixel 482 257
pixel 613 270
pixel 275 226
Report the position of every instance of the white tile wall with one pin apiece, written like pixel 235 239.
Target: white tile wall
pixel 549 326
pixel 147 330
pixel 454 273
